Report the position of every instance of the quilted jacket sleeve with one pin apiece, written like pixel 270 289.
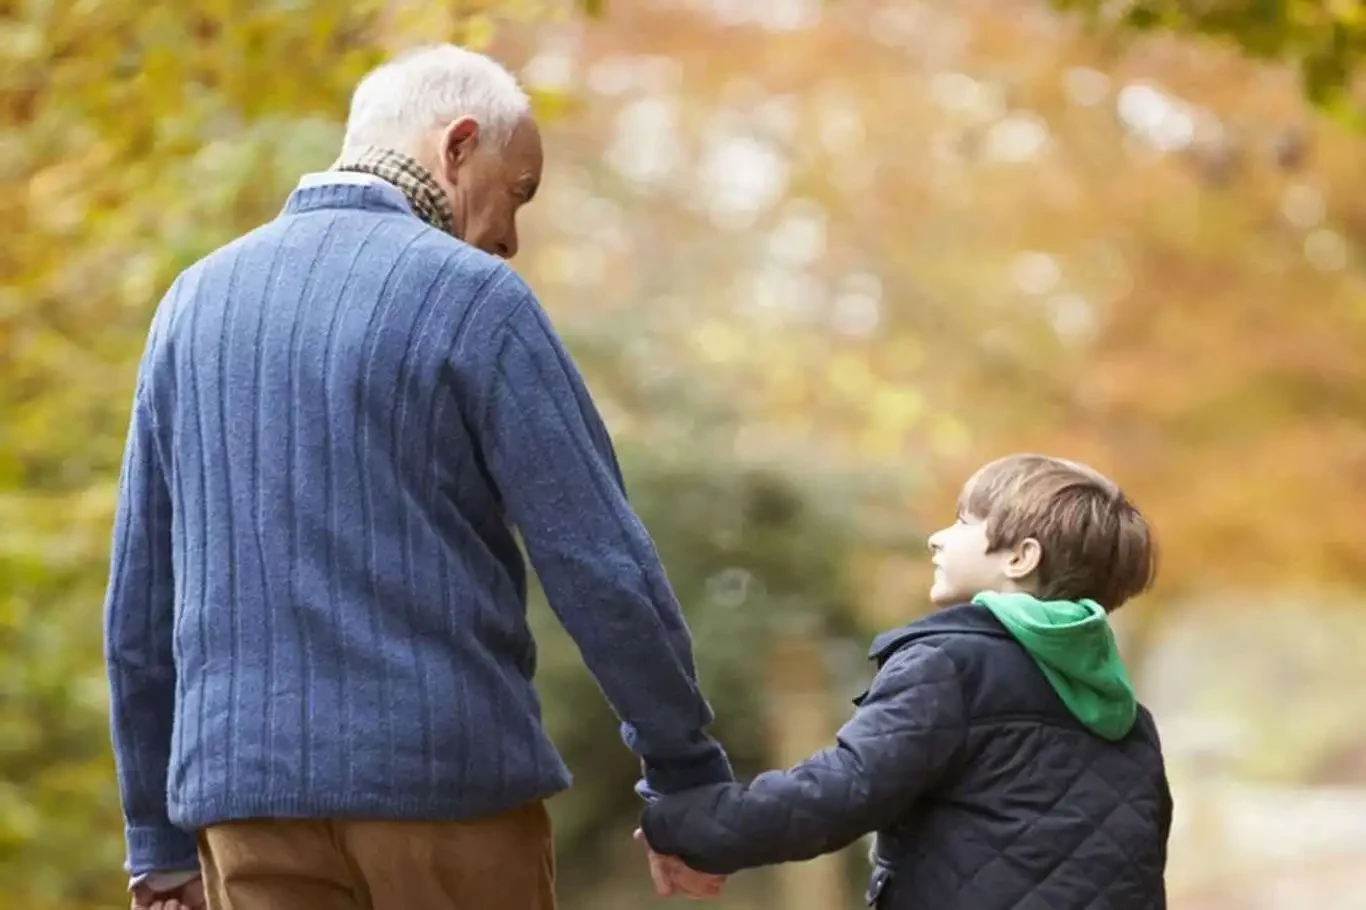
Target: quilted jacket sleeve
pixel 907 731
pixel 1165 820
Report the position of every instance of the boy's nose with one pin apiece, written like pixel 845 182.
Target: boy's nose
pixel 933 542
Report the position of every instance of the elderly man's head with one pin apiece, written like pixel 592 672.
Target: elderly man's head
pixel 464 118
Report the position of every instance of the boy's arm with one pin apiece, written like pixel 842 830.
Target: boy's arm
pixel 1165 820
pixel 907 731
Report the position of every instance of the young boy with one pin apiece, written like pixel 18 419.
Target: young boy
pixel 1000 753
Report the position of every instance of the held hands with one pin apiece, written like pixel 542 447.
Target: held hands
pixel 672 876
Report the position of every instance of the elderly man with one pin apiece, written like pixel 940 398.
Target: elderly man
pixel 316 630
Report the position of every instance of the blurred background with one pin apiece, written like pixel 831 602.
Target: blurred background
pixel 818 260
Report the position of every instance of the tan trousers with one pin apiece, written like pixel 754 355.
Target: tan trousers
pixel 502 862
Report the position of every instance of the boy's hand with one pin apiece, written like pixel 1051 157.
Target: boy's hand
pixel 672 876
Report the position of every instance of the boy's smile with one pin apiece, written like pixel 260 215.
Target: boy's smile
pixel 965 565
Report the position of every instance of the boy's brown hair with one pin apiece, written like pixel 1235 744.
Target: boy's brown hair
pixel 1095 544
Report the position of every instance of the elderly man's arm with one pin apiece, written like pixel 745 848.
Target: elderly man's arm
pixel 138 621
pixel 550 456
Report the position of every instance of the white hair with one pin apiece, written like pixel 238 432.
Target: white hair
pixel 397 102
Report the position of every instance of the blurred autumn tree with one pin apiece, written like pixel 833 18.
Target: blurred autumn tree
pixel 1324 39
pixel 984 229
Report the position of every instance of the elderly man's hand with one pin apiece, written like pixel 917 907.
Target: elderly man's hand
pixel 189 896
pixel 672 876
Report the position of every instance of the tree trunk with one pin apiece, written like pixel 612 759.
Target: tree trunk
pixel 800 724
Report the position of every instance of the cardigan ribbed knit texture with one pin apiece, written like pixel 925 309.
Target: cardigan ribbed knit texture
pixel 317 606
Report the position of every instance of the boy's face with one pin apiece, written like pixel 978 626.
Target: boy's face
pixel 964 567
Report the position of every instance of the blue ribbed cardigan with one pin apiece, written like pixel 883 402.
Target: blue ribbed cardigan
pixel 317 606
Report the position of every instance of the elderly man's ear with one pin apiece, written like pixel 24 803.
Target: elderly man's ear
pixel 458 143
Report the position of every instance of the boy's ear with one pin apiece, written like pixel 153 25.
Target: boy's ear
pixel 1024 560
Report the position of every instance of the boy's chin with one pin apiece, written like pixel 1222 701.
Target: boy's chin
pixel 946 597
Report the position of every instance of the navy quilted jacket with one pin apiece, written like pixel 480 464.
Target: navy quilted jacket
pixel 984 791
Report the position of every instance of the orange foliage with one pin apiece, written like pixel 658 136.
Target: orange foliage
pixel 1192 327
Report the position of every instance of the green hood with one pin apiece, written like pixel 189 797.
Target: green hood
pixel 1073 645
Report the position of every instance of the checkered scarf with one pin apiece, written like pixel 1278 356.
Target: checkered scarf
pixel 412 179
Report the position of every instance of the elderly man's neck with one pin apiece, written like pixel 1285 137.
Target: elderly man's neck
pixel 405 172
